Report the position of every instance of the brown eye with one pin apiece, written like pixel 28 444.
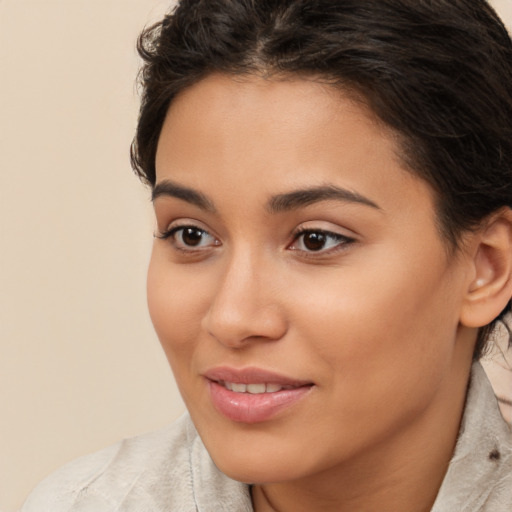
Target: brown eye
pixel 189 238
pixel 319 241
pixel 192 236
pixel 314 241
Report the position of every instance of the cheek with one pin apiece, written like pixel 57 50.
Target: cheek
pixel 381 320
pixel 382 345
pixel 175 306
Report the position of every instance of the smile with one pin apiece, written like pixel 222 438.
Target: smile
pixel 253 395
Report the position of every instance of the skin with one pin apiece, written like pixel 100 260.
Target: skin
pixel 498 366
pixel 373 320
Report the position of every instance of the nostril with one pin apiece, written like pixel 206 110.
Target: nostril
pixel 238 326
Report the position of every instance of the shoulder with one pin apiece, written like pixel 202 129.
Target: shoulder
pixel 134 472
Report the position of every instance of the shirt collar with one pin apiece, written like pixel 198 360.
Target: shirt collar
pixel 483 452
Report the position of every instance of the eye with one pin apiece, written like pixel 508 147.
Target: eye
pixel 189 238
pixel 318 241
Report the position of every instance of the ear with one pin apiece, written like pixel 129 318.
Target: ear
pixel 490 288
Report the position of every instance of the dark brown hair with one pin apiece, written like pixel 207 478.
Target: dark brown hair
pixel 437 72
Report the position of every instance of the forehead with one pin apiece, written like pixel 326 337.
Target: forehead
pixel 270 135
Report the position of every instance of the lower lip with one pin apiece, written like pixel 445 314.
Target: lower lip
pixel 249 408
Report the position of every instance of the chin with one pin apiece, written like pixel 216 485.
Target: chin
pixel 257 470
pixel 257 457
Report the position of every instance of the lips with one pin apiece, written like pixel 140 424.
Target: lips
pixel 253 395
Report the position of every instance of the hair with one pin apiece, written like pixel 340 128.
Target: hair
pixel 438 73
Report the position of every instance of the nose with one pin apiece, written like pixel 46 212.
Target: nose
pixel 245 305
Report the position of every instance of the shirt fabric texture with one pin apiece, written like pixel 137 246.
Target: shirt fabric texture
pixel 171 471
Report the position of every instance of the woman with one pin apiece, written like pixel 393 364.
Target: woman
pixel 332 189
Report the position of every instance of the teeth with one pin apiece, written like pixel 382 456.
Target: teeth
pixel 254 389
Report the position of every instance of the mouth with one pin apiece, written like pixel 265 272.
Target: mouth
pixel 253 395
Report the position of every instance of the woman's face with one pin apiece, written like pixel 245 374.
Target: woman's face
pixel 298 282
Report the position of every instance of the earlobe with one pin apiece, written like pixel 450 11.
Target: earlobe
pixel 490 288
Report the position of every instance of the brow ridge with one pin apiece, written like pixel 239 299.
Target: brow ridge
pixel 307 196
pixel 172 189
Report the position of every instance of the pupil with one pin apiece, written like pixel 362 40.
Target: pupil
pixel 192 236
pixel 314 241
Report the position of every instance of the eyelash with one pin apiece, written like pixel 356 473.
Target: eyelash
pixel 341 241
pixel 170 234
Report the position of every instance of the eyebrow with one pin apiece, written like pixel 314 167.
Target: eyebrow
pixel 277 204
pixel 304 197
pixel 171 189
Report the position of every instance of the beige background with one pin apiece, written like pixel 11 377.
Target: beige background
pixel 80 366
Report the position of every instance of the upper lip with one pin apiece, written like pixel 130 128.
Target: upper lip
pixel 251 375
